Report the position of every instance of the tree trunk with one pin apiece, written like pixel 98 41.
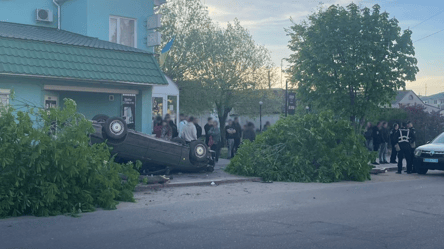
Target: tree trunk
pixel 223 114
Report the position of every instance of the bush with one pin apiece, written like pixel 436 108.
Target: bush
pixel 48 167
pixel 308 148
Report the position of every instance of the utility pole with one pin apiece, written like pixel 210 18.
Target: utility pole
pixel 269 79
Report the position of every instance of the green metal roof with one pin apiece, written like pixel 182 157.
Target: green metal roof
pixel 61 54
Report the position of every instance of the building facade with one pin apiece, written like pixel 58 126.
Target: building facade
pixel 97 52
pixel 409 98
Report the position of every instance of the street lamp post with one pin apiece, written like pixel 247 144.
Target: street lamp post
pixel 282 70
pixel 260 115
pixel 286 98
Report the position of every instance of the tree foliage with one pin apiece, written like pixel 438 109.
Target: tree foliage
pixel 47 166
pixel 351 60
pixel 427 125
pixel 217 68
pixel 305 148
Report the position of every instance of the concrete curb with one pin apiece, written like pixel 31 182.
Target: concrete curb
pixel 141 188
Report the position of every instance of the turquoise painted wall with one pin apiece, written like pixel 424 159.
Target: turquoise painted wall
pixel 99 12
pixel 23 11
pixel 30 91
pixel 86 17
pixel 91 104
pixel 73 16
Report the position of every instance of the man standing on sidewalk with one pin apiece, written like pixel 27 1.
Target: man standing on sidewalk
pixel 182 124
pixel 412 144
pixel 393 142
pixel 198 127
pixel 376 134
pixel 230 135
pixel 404 149
pixel 237 135
pixel 207 128
pixel 383 147
pixel 189 132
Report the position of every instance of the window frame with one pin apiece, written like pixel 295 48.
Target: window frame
pixel 6 92
pixel 118 19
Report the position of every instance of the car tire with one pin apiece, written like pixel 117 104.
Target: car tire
pixel 100 118
pixel 210 169
pixel 422 171
pixel 115 128
pixel 198 151
pixel 178 140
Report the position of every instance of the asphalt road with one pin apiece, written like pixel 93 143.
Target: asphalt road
pixel 389 212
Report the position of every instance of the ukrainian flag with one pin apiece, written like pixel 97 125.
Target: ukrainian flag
pixel 163 53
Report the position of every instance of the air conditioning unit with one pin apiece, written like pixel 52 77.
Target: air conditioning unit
pixel 44 15
pixel 153 22
pixel 159 2
pixel 153 39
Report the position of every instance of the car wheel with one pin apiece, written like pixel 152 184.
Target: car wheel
pixel 115 128
pixel 101 118
pixel 422 171
pixel 198 151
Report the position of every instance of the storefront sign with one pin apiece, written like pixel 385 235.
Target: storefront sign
pixel 129 110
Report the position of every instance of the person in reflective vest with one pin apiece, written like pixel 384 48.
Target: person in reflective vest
pixel 403 147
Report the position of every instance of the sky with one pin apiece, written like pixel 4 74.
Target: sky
pixel 267 19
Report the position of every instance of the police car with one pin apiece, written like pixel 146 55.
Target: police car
pixel 430 156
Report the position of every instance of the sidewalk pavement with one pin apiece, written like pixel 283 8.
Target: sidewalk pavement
pixel 218 176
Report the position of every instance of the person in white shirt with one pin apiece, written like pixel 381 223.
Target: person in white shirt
pixel 182 124
pixel 189 132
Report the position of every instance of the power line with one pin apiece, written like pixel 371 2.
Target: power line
pixel 429 35
pixel 427 19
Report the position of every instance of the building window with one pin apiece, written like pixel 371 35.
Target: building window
pixel 435 101
pixel 4 97
pixel 123 31
pixel 411 97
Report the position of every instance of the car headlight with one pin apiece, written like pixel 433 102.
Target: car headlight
pixel 418 152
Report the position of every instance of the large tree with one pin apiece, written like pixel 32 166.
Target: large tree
pixel 217 68
pixel 350 60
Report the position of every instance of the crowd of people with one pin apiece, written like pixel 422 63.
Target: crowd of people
pixel 401 140
pixel 189 130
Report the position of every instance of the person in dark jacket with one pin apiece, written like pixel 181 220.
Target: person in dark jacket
pixel 158 127
pixel 393 141
pixel 198 128
pixel 237 135
pixel 173 126
pixel 403 147
pixel 266 126
pixel 412 144
pixel 385 139
pixel 377 139
pixel 249 133
pixel 215 144
pixel 207 128
pixel 230 135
